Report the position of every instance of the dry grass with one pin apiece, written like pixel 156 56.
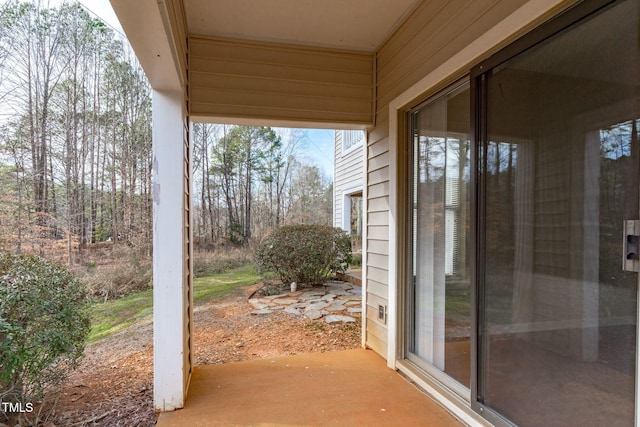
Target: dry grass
pixel 220 261
pixel 111 271
pixel 124 270
pixel 113 281
pixel 115 269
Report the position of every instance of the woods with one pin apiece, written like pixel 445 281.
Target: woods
pixel 249 181
pixel 76 132
pixel 76 148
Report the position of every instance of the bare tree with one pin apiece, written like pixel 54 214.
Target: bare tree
pixel 77 108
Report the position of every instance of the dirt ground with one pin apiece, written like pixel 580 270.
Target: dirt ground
pixel 113 386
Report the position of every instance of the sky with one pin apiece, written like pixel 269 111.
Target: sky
pixel 317 148
pixel 103 9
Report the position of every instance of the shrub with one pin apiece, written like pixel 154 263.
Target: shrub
pixel 43 326
pixel 356 260
pixel 304 253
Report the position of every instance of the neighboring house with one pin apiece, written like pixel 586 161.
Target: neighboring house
pixel 500 194
pixel 348 183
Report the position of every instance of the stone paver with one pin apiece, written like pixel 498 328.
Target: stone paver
pixel 334 302
pixel 261 311
pixel 292 310
pixel 313 314
pixel 318 305
pixel 336 318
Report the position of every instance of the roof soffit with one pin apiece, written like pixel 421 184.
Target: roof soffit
pixel 146 30
pixel 361 25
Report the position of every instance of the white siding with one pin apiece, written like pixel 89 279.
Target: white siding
pixel 348 175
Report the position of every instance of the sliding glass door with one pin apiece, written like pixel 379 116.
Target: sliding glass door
pixel 558 169
pixel 526 300
pixel 439 288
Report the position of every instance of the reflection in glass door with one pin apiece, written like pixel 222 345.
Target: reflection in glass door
pixel 439 294
pixel 559 172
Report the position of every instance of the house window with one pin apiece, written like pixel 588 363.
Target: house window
pixel 351 139
pixel 355 222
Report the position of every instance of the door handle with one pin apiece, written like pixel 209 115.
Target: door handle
pixel 631 246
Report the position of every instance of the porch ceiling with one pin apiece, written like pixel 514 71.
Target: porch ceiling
pixel 358 25
pixel 347 24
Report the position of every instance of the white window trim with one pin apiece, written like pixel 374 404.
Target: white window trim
pixel 346 206
pixel 359 143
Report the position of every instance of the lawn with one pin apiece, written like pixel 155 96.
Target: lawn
pixel 113 316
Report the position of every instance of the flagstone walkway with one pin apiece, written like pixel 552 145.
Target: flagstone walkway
pixel 333 302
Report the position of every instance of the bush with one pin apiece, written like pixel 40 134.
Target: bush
pixel 305 254
pixel 43 326
pixel 356 260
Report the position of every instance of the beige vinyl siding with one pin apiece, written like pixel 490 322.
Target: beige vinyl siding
pixel 378 247
pixel 377 232
pixel 379 190
pixel 379 175
pixel 376 333
pixel 378 204
pixel 187 281
pixel 379 162
pixel 379 218
pixel 435 32
pixel 270 81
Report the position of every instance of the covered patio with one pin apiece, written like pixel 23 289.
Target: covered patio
pixel 344 388
pixel 491 82
pixel 289 64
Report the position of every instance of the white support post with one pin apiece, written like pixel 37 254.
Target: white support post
pixel 169 304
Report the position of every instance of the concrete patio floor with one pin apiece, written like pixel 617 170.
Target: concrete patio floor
pixel 344 388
